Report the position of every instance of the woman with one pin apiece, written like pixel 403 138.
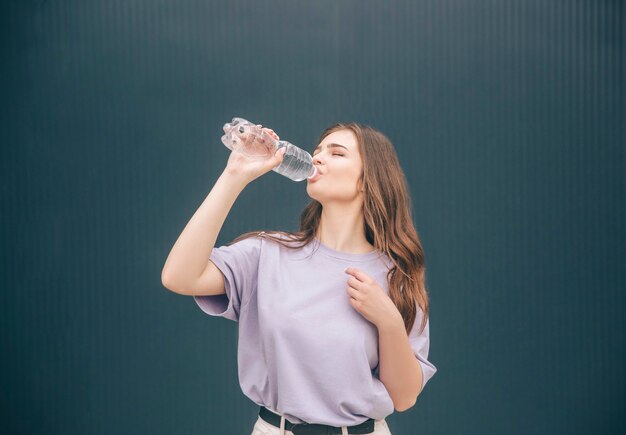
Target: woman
pixel 333 319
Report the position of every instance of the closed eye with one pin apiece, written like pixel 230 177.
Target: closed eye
pixel 334 154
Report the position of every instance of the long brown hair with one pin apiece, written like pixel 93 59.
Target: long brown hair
pixel 388 222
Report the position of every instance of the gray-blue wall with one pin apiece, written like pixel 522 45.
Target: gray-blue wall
pixel 508 118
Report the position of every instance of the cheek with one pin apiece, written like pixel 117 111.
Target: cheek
pixel 346 180
pixel 344 166
pixel 348 173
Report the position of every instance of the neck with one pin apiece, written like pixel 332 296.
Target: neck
pixel 343 229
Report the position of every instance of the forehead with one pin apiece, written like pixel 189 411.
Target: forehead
pixel 343 137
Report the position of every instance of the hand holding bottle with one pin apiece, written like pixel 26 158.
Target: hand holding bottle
pixel 248 165
pixel 257 150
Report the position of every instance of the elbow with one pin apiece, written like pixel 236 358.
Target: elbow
pixel 401 407
pixel 405 405
pixel 166 281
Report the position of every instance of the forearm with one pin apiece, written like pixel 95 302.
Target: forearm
pixel 189 256
pixel 400 371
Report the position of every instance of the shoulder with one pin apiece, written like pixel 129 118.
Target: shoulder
pixel 279 237
pixel 283 243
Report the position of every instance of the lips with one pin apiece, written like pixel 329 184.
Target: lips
pixel 315 178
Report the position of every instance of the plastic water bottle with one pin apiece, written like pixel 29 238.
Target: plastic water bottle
pixel 252 140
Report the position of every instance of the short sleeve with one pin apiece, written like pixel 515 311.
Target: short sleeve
pixel 420 343
pixel 239 263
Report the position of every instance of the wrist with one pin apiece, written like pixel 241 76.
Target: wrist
pixel 391 324
pixel 234 178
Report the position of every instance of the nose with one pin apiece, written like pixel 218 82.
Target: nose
pixel 316 159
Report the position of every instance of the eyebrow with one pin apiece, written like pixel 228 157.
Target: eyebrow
pixel 331 145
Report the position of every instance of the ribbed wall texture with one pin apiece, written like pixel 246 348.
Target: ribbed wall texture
pixel 507 116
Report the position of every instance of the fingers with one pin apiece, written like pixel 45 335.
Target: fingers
pixel 278 156
pixel 358 274
pixel 272 133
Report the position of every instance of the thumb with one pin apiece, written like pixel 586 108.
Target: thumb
pixel 280 153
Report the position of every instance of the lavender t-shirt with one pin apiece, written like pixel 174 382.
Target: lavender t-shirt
pixel 304 351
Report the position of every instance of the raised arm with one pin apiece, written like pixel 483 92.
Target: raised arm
pixel 187 269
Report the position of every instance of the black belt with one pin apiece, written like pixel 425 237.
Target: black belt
pixel 315 429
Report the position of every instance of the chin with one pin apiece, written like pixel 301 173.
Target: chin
pixel 314 193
